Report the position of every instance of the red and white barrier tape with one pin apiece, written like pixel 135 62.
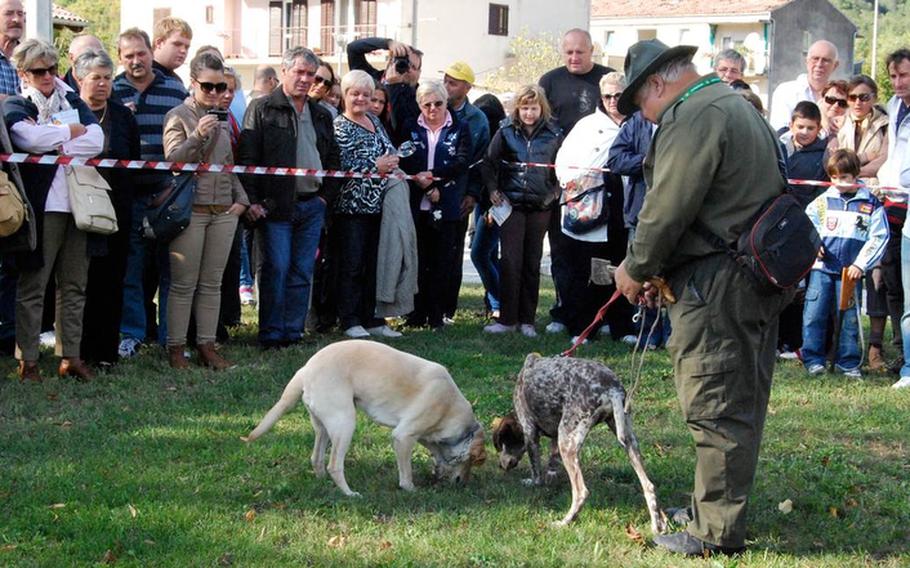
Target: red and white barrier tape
pixel 51 160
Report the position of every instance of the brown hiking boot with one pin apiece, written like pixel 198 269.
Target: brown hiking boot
pixel 75 367
pixel 211 359
pixel 876 361
pixel 28 371
pixel 175 357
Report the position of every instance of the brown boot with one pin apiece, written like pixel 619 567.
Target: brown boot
pixel 210 358
pixel 175 357
pixel 28 371
pixel 876 361
pixel 75 367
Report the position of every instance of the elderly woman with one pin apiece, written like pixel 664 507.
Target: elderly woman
pixel 93 72
pixel 196 132
pixel 365 147
pixel 50 118
pixel 592 214
pixel 443 151
pixel 530 137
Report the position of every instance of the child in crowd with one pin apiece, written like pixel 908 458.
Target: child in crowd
pixel 804 154
pixel 854 232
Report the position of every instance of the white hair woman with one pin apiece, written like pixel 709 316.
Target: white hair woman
pixel 49 118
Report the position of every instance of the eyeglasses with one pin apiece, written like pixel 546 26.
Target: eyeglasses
pixel 613 96
pixel 433 104
pixel 842 103
pixel 42 71
pixel 863 97
pixel 217 87
pixel 317 80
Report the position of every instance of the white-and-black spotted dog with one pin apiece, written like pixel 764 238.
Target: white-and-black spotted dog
pixel 563 398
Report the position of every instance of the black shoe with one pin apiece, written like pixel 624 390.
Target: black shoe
pixel 684 543
pixel 269 345
pixel 679 515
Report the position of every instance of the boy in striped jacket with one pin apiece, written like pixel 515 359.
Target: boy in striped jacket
pixel 854 232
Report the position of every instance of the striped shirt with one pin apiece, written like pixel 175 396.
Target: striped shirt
pixel 151 105
pixel 9 79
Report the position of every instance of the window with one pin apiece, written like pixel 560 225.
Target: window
pixel 608 38
pixel 647 34
pixel 327 23
pixel 210 14
pixel 499 20
pixel 366 18
pixel 727 42
pixel 287 25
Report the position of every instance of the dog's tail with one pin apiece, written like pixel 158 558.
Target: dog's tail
pixel 292 393
pixel 620 418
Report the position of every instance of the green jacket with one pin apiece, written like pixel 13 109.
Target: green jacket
pixel 713 158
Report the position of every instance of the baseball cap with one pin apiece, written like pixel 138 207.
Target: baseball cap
pixel 461 71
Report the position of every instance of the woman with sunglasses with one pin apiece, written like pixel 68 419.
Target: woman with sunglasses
pixel 833 104
pixel 443 150
pixel 865 128
pixel 197 131
pixel 322 86
pixel 50 118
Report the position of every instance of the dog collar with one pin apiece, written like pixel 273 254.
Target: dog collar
pixel 455 442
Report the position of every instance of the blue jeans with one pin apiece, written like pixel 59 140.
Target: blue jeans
pixel 246 273
pixel 485 256
pixel 905 319
pixel 133 322
pixel 821 302
pixel 288 258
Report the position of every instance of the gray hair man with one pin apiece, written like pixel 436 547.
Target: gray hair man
pixel 821 62
pixel 287 129
pixel 729 65
pixel 724 332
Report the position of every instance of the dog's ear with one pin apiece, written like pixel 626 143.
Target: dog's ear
pixel 478 452
pixel 494 429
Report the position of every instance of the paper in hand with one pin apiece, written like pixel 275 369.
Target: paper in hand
pixel 65 117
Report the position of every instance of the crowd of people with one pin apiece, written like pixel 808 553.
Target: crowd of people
pixel 378 255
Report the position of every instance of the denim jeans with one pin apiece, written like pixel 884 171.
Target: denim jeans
pixel 485 256
pixel 905 319
pixel 133 322
pixel 246 273
pixel 821 302
pixel 288 258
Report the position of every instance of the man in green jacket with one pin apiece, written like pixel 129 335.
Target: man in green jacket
pixel 713 161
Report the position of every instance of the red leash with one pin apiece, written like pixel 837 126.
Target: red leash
pixel 584 334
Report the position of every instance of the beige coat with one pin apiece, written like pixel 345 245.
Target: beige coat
pixel 873 146
pixel 182 144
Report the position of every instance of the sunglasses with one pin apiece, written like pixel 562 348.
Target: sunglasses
pixel 42 71
pixel 434 104
pixel 217 87
pixel 864 97
pixel 611 97
pixel 317 80
pixel 842 103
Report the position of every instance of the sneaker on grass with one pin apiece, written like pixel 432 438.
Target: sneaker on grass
pixel 129 346
pixel 815 369
pixel 903 383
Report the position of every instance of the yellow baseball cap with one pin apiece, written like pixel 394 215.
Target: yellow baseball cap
pixel 461 71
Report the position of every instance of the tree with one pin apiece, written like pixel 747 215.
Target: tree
pixel 104 22
pixel 529 57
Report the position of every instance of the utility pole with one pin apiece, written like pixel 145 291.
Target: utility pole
pixel 39 16
pixel 874 40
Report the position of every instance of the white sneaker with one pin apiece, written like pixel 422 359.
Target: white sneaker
pixel 902 384
pixel 788 355
pixel 575 339
pixel 630 340
pixel 383 331
pixel 604 330
pixel 48 339
pixel 528 330
pixel 129 347
pixel 498 328
pixel 555 327
pixel 816 369
pixel 448 321
pixel 246 296
pixel 853 373
pixel 357 332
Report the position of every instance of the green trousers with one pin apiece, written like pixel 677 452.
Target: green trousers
pixel 723 346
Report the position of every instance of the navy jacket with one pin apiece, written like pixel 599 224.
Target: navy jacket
pixel 626 157
pixel 450 162
pixel 806 163
pixel 530 189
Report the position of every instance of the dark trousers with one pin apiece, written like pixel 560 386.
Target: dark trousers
pixel 559 265
pixel 894 290
pixel 358 246
pixel 582 298
pixel 437 252
pixel 104 299
pixel 521 239
pixel 453 288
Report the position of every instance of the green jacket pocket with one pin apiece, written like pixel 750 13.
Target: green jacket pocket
pixel 708 385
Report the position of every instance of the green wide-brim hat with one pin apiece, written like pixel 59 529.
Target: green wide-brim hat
pixel 643 60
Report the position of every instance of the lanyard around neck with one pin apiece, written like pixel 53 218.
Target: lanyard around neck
pixel 699 86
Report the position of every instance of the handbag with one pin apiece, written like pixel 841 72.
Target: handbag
pixel 586 211
pixel 90 200
pixel 12 208
pixel 169 212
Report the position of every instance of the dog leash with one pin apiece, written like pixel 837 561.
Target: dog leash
pixel 587 331
pixel 636 372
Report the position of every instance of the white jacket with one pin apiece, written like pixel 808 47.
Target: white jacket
pixel 896 169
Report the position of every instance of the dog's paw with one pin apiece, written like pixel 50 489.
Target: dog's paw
pixel 559 524
pixel 409 487
pixel 353 494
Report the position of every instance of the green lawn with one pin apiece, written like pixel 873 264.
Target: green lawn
pixel 144 467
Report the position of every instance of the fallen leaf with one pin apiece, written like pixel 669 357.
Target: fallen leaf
pixel 8 547
pixel 834 512
pixel 172 389
pixel 51 396
pixel 785 506
pixel 852 503
pixel 57 506
pixel 226 559
pixel 825 461
pixel 634 535
pixel 280 506
pixel 66 424
pixel 109 557
pixel 250 515
pixel 385 545
pixel 149 542
pixel 337 541
pixel 133 512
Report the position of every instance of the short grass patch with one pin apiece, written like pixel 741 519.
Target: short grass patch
pixel 144 467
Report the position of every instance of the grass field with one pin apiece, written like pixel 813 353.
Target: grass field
pixel 144 467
